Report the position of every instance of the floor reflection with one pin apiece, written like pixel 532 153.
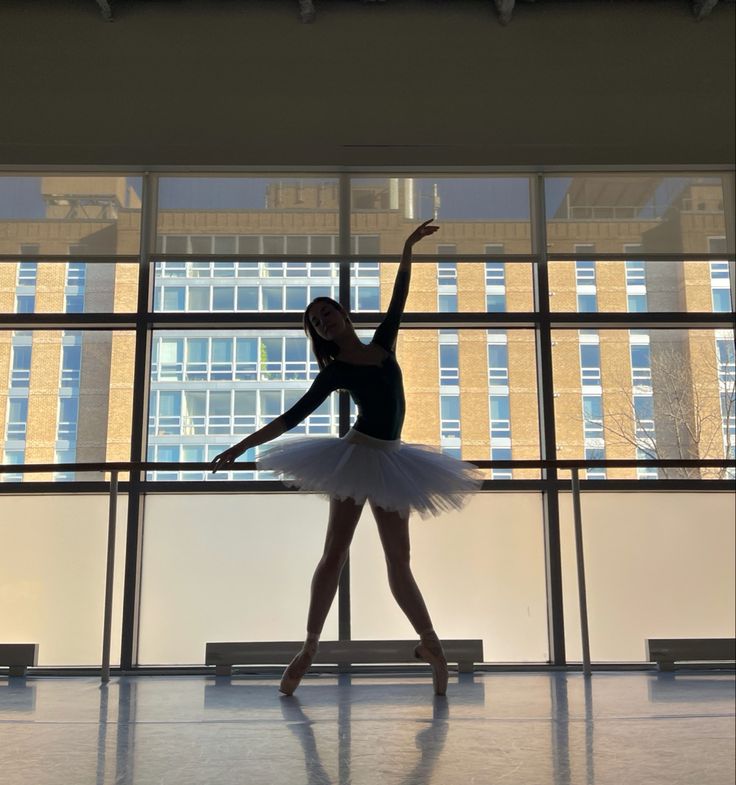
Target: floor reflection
pixel 512 728
pixel 429 740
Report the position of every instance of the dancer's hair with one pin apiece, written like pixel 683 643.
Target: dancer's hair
pixel 325 351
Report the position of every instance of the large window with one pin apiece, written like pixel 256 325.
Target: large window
pixel 594 324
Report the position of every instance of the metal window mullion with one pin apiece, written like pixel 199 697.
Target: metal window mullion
pixel 547 436
pixel 139 425
pixel 343 595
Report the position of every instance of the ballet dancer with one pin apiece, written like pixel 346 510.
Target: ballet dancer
pixel 370 462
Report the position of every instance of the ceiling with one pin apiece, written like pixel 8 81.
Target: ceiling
pixel 307 9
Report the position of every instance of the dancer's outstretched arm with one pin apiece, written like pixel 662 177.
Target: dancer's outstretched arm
pixel 387 331
pixel 325 382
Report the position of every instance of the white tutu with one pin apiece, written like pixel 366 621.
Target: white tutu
pixel 393 474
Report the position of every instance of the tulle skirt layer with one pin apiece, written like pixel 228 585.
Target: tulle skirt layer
pixel 393 474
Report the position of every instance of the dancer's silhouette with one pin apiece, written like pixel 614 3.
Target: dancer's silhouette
pixel 369 463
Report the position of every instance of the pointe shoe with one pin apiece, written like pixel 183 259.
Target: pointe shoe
pixel 436 658
pixel 296 669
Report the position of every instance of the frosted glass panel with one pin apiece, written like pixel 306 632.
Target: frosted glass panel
pixel 657 566
pixel 481 571
pixel 227 568
pixel 52 576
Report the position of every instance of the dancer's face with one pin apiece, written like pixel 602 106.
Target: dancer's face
pixel 327 320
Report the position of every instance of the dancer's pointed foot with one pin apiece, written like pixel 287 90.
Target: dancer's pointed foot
pixel 430 650
pixel 296 669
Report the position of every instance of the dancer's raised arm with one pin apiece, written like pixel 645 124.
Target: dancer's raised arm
pixel 387 331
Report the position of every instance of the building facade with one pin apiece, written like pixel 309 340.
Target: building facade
pixel 472 391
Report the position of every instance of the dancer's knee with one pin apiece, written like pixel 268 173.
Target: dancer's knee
pixel 398 564
pixel 333 559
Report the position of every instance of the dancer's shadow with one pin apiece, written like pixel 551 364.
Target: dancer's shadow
pixel 430 740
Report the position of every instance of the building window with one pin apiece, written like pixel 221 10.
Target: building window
pixel 501 454
pixel 495 274
pixel 71 365
pixel 25 303
pixel 367 298
pixel 17 419
pixel 446 274
pixel 595 454
pixel 74 303
pixel 585 282
pixel 721 300
pixel 172 298
pixel 500 417
pixel 449 369
pixel 450 416
pixel 587 303
pixel 641 366
pixel 592 416
pixel 498 363
pixel 68 419
pixel 20 372
pixel 13 457
pixel 590 364
pixel 27 273
pixel 76 274
pixel 636 303
pixel 447 303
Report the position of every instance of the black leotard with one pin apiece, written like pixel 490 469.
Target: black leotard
pixel 378 390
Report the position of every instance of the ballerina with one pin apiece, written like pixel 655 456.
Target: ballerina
pixel 369 463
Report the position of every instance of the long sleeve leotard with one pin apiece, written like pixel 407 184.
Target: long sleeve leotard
pixel 378 390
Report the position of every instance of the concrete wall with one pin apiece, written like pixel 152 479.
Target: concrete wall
pixel 414 82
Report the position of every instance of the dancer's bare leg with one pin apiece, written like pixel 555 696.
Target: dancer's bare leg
pixel 344 516
pixel 393 529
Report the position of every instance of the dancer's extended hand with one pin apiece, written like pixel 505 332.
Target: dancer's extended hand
pixel 421 231
pixel 226 458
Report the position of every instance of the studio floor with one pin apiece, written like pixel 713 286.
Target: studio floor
pixel 619 728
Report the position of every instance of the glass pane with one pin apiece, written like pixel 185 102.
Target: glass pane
pixel 247 215
pixel 262 577
pixel 481 571
pixel 634 543
pixel 248 377
pixel 473 291
pixel 272 365
pixel 472 212
pixel 70 215
pixel 205 286
pixel 53 576
pixel 637 286
pixel 78 389
pixel 661 394
pixel 660 213
pixel 54 287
